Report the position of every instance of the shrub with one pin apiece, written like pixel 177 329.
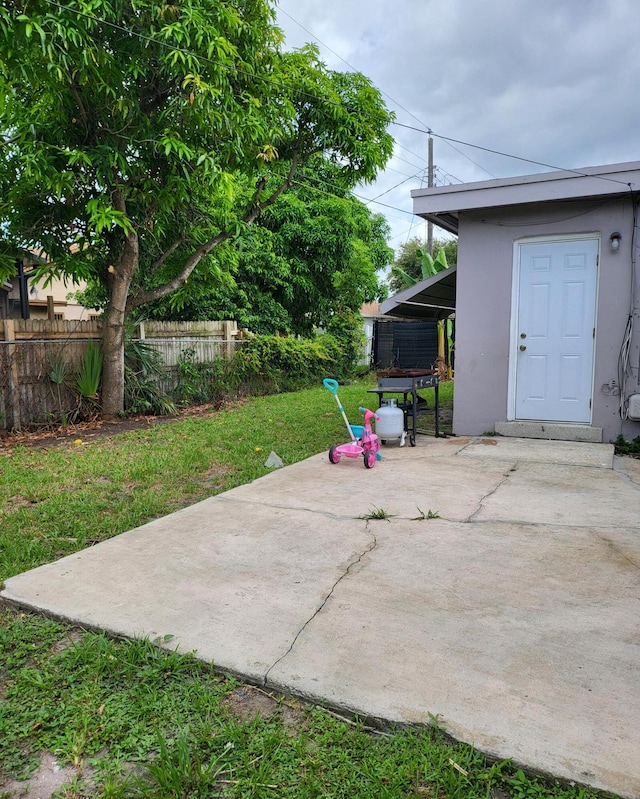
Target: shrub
pixel 143 367
pixel 88 378
pixel 201 382
pixel 347 330
pixel 269 364
pixel 624 447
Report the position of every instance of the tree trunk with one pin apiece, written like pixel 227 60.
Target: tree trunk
pixel 113 330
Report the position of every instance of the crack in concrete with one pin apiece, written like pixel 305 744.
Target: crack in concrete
pixel 619 469
pixel 470 518
pixel 276 506
pixel 353 563
pixel 463 447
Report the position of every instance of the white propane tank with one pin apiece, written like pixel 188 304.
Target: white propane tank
pixel 391 424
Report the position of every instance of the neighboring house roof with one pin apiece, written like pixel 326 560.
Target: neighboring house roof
pixel 371 311
pixel 442 204
pixel 433 298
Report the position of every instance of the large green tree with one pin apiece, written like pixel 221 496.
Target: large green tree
pixel 319 251
pixel 140 137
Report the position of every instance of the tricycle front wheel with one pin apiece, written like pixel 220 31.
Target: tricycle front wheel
pixel 369 459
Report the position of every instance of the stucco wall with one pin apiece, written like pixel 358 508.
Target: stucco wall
pixel 483 306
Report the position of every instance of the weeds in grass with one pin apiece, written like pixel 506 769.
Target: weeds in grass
pixel 157 724
pixel 179 770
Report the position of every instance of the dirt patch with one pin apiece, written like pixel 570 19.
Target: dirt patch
pixel 88 431
pixel 247 702
pixel 72 638
pixel 50 776
pixel 18 501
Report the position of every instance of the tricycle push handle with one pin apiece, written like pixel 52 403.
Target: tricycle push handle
pixel 331 384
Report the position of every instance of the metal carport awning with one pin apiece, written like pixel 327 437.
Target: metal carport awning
pixel 433 298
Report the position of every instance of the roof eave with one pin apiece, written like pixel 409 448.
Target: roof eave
pixel 433 298
pixel 441 204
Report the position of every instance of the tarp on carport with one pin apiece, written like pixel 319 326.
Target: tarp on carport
pixel 433 298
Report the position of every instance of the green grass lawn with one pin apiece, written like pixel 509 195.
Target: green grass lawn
pixel 132 719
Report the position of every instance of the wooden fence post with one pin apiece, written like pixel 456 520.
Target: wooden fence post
pixel 12 389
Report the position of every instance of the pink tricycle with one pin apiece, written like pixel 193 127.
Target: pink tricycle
pixel 363 441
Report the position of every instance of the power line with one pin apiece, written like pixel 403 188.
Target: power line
pixel 464 155
pixel 448 174
pixel 398 172
pixel 402 182
pixel 404 160
pixel 404 147
pixel 338 197
pixel 447 139
pixel 393 100
pixel 357 196
pixel 355 69
pixel 509 155
pixel 428 130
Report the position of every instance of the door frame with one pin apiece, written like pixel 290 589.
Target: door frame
pixel 515 308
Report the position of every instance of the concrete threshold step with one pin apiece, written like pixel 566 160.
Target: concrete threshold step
pixel 556 431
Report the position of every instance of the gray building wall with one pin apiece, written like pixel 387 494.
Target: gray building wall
pixel 483 306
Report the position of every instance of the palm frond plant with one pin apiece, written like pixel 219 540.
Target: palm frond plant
pixel 58 374
pixel 88 378
pixel 87 382
pixel 143 365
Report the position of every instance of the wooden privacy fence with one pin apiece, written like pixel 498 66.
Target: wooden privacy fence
pixel 29 347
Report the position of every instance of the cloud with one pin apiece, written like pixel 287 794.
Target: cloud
pixel 550 81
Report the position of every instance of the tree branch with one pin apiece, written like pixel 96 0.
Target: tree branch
pixel 161 260
pixel 84 116
pixel 143 297
pixel 258 206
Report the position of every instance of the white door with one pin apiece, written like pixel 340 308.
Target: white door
pixel 555 330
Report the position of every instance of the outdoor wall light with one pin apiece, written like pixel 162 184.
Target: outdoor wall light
pixel 614 242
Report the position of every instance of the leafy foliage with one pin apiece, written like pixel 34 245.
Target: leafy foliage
pixel 414 263
pixel 270 364
pixel 140 138
pixel 88 378
pixel 310 256
pixel 346 328
pixel 624 447
pixel 144 369
pixel 201 382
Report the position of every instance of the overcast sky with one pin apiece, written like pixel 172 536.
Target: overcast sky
pixel 555 81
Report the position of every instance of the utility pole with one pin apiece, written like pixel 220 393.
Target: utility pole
pixel 430 184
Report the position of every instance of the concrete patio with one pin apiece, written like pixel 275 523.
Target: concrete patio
pixel 513 616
